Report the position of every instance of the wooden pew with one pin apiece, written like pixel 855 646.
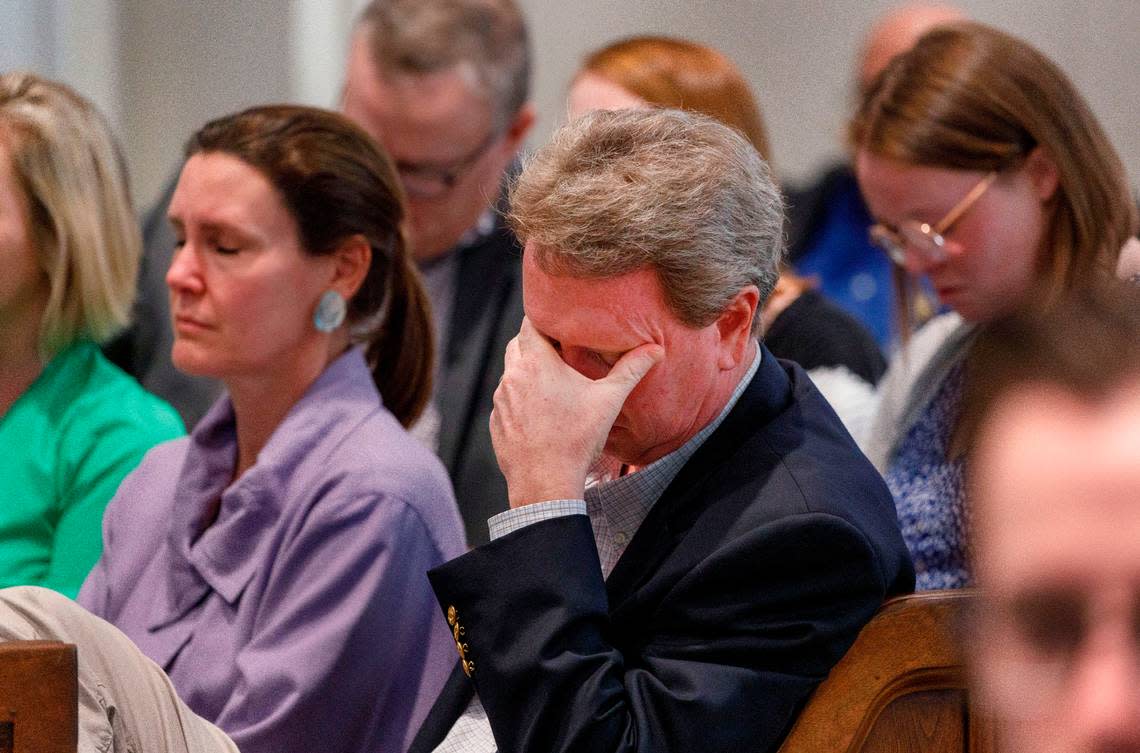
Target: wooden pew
pixel 38 697
pixel 902 688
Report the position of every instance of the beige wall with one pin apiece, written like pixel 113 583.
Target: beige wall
pixel 183 63
pixel 180 62
pixel 798 55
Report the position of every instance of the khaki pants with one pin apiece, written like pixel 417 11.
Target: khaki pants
pixel 126 702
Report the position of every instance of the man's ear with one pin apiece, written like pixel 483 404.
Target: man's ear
pixel 519 127
pixel 351 261
pixel 1043 173
pixel 734 325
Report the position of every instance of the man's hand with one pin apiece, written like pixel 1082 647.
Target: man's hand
pixel 550 423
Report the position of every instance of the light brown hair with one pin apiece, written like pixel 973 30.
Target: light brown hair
pixel 971 97
pixel 337 183
pixel 676 73
pixel 1086 343
pixel 673 191
pixel 87 240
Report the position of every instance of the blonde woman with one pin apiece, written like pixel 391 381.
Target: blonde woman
pixel 71 424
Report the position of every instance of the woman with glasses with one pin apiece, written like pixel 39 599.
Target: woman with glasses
pixel 989 175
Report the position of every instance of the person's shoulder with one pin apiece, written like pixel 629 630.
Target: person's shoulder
pixel 802 469
pixel 379 459
pixel 798 482
pixel 109 399
pixel 832 318
pixel 810 456
pixel 817 332
pixel 138 516
pixel 930 336
pixel 105 422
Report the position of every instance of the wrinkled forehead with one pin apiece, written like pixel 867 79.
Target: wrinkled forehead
pixel 605 311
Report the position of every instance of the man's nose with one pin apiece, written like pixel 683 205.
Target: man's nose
pixel 1105 693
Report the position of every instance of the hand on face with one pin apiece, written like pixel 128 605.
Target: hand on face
pixel 550 423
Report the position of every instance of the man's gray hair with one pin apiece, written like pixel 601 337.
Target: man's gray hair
pixel 614 192
pixel 486 39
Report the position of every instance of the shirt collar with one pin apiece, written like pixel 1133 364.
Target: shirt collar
pixel 226 555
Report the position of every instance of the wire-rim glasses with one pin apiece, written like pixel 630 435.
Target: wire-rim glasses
pixel 432 181
pixel 928 241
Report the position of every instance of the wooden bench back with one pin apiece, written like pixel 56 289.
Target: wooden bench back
pixel 901 688
pixel 38 697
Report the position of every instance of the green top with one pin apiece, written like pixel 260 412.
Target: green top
pixel 65 445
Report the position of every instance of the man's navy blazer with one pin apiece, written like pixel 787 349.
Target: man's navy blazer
pixel 748 580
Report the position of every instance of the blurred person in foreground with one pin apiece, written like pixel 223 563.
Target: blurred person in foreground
pixel 694 539
pixel 989 175
pixel 272 563
pixel 72 425
pixel 1056 490
pixel 797 322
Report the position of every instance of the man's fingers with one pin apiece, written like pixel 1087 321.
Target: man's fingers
pixel 530 340
pixel 511 354
pixel 634 365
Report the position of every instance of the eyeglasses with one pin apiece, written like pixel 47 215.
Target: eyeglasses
pixel 427 181
pixel 928 241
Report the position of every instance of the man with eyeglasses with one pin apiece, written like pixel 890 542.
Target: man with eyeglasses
pixel 1056 491
pixel 444 87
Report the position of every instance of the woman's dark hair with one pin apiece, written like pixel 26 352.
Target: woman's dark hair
pixel 337 183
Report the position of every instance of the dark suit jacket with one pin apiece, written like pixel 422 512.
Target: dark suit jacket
pixel 814 332
pixel 748 580
pixel 487 313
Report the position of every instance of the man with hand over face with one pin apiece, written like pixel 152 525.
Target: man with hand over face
pixel 693 539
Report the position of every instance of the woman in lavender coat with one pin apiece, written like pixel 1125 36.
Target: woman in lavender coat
pixel 273 562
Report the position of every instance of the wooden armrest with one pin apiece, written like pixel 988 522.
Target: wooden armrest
pixel 38 697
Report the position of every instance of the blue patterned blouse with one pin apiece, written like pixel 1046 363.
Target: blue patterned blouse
pixel 929 491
